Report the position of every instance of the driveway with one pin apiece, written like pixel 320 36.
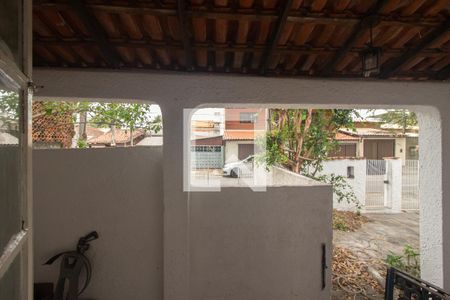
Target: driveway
pixel 383 233
pixel 370 245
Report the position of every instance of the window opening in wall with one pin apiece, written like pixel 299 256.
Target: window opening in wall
pixel 63 125
pixel 369 156
pixel 350 172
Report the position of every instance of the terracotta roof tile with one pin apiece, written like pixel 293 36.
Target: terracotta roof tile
pixel 121 136
pixel 342 136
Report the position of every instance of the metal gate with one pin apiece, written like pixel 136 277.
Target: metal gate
pixel 410 185
pixel 207 157
pixel 376 172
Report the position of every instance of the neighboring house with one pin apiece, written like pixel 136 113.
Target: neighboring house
pixel 207 152
pixel 242 128
pixel 349 146
pixel 8 139
pixel 51 131
pixel 91 132
pixel 207 128
pixel 121 137
pixel 376 143
pixel 152 140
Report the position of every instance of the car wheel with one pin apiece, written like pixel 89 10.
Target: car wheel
pixel 235 173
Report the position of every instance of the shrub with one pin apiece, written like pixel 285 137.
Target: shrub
pixel 408 262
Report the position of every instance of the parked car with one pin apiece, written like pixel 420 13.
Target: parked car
pixel 239 168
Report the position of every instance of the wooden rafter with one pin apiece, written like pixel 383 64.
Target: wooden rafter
pixel 338 18
pixel 186 35
pixel 395 65
pixel 443 74
pixel 99 35
pixel 371 20
pixel 275 38
pixel 211 46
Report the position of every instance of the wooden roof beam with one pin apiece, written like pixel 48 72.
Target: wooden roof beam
pixel 111 57
pixel 443 74
pixel 250 15
pixel 186 36
pixel 396 65
pixel 275 38
pixel 208 46
pixel 371 20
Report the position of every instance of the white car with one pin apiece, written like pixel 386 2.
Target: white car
pixel 239 168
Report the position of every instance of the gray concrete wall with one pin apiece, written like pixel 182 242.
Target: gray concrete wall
pixel 10 212
pixel 259 245
pixel 10 216
pixel 117 192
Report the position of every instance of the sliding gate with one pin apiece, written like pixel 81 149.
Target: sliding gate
pixel 375 176
pixel 410 185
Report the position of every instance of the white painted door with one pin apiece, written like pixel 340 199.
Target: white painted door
pixel 15 152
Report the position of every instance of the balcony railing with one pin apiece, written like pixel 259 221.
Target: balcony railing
pixel 411 288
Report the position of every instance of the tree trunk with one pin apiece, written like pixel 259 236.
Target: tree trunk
pixel 113 135
pixel 82 130
pixel 131 136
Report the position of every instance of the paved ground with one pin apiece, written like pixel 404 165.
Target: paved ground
pixel 375 239
pixel 383 233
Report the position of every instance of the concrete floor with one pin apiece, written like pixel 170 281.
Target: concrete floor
pixel 383 233
pixel 374 240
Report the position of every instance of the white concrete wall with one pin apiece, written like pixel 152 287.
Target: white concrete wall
pixel 400 148
pixel 282 177
pixel 434 235
pixel 358 183
pixel 260 245
pixel 393 188
pixel 175 92
pixel 116 191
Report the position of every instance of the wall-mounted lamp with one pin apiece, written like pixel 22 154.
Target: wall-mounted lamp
pixel 371 58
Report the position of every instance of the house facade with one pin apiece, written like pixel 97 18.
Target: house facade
pixel 243 127
pixel 376 143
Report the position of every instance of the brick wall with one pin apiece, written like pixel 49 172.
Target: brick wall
pixel 52 129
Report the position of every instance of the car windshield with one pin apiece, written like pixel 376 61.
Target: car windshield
pixel 249 159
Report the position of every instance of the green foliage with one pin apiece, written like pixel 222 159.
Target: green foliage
pixel 341 188
pixel 9 110
pixel 340 225
pixel 299 138
pixel 81 143
pixel 118 115
pixel 408 262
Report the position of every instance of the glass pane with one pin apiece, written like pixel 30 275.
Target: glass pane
pixel 10 283
pixel 9 29
pixel 9 165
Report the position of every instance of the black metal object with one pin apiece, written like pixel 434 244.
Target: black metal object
pixel 324 266
pixel 72 263
pixel 43 291
pixel 411 287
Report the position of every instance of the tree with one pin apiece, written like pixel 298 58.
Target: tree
pixel 300 139
pixel 113 115
pixel 402 117
pixel 9 111
pixel 126 115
